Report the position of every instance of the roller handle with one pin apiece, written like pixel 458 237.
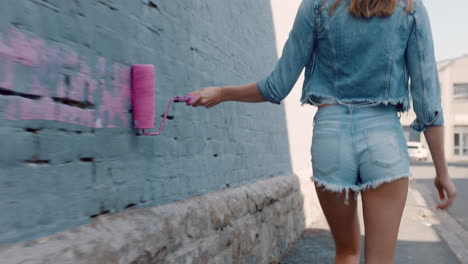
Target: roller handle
pixel 189 99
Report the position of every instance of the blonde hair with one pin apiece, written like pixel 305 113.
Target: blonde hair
pixel 370 8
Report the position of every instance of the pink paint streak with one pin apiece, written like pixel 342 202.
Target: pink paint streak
pixel 48 62
pixel 69 114
pixel 70 59
pixel 6 68
pixel 37 88
pixel 24 50
pixel 116 104
pixel 102 67
pixel 61 92
pixel 37 109
pixel 11 111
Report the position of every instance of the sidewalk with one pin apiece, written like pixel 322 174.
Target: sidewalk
pixel 418 240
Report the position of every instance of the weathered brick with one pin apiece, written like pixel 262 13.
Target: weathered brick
pixel 16 146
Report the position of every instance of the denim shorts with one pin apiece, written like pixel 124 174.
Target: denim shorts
pixel 357 147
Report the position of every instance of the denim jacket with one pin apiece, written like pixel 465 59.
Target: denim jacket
pixel 359 62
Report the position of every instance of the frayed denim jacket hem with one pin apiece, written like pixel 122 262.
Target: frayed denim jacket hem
pixel 360 62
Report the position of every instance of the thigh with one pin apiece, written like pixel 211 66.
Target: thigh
pixel 382 211
pixel 342 219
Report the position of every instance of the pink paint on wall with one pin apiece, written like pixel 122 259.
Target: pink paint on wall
pixel 77 87
pixel 50 56
pixel 61 92
pixel 37 109
pixel 52 64
pixel 11 111
pixel 83 83
pixel 4 49
pixel 69 114
pixel 40 52
pixel 46 109
pixel 115 105
pixel 92 86
pixel 102 67
pixel 70 59
pixel 37 88
pixel 6 67
pixel 24 50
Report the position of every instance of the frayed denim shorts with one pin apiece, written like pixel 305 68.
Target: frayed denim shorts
pixel 358 147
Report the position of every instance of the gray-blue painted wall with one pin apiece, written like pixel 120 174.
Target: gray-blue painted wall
pixel 55 175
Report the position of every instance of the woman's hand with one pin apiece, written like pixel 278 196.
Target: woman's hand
pixel 207 96
pixel 444 183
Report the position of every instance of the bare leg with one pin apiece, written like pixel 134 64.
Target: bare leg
pixel 382 209
pixel 344 224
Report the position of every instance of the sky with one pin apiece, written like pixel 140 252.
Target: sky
pixel 449 22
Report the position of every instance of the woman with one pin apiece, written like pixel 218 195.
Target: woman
pixel 358 57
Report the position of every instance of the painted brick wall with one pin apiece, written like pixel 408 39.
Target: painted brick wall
pixel 67 149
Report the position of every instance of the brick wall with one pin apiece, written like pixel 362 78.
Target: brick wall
pixel 68 152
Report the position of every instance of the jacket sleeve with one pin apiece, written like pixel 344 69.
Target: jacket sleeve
pixel 422 68
pixel 296 53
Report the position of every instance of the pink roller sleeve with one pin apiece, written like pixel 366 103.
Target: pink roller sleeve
pixel 143 96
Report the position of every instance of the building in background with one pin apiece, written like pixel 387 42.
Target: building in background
pixel 453 75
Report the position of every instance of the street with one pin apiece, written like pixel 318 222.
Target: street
pixel 426 235
pixel 459 210
pixel 454 220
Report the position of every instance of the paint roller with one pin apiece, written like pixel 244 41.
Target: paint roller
pixel 143 99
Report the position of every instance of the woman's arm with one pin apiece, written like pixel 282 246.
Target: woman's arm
pixel 211 96
pixel 243 93
pixel 426 95
pixel 435 140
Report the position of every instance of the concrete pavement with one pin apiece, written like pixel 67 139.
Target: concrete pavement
pixel 418 240
pixel 453 225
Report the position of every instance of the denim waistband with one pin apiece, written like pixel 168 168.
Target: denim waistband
pixel 356 109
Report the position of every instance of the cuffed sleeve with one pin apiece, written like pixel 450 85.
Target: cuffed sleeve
pixel 264 90
pixel 422 68
pixel 436 117
pixel 296 53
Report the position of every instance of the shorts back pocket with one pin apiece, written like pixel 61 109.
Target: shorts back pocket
pixel 383 146
pixel 325 151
